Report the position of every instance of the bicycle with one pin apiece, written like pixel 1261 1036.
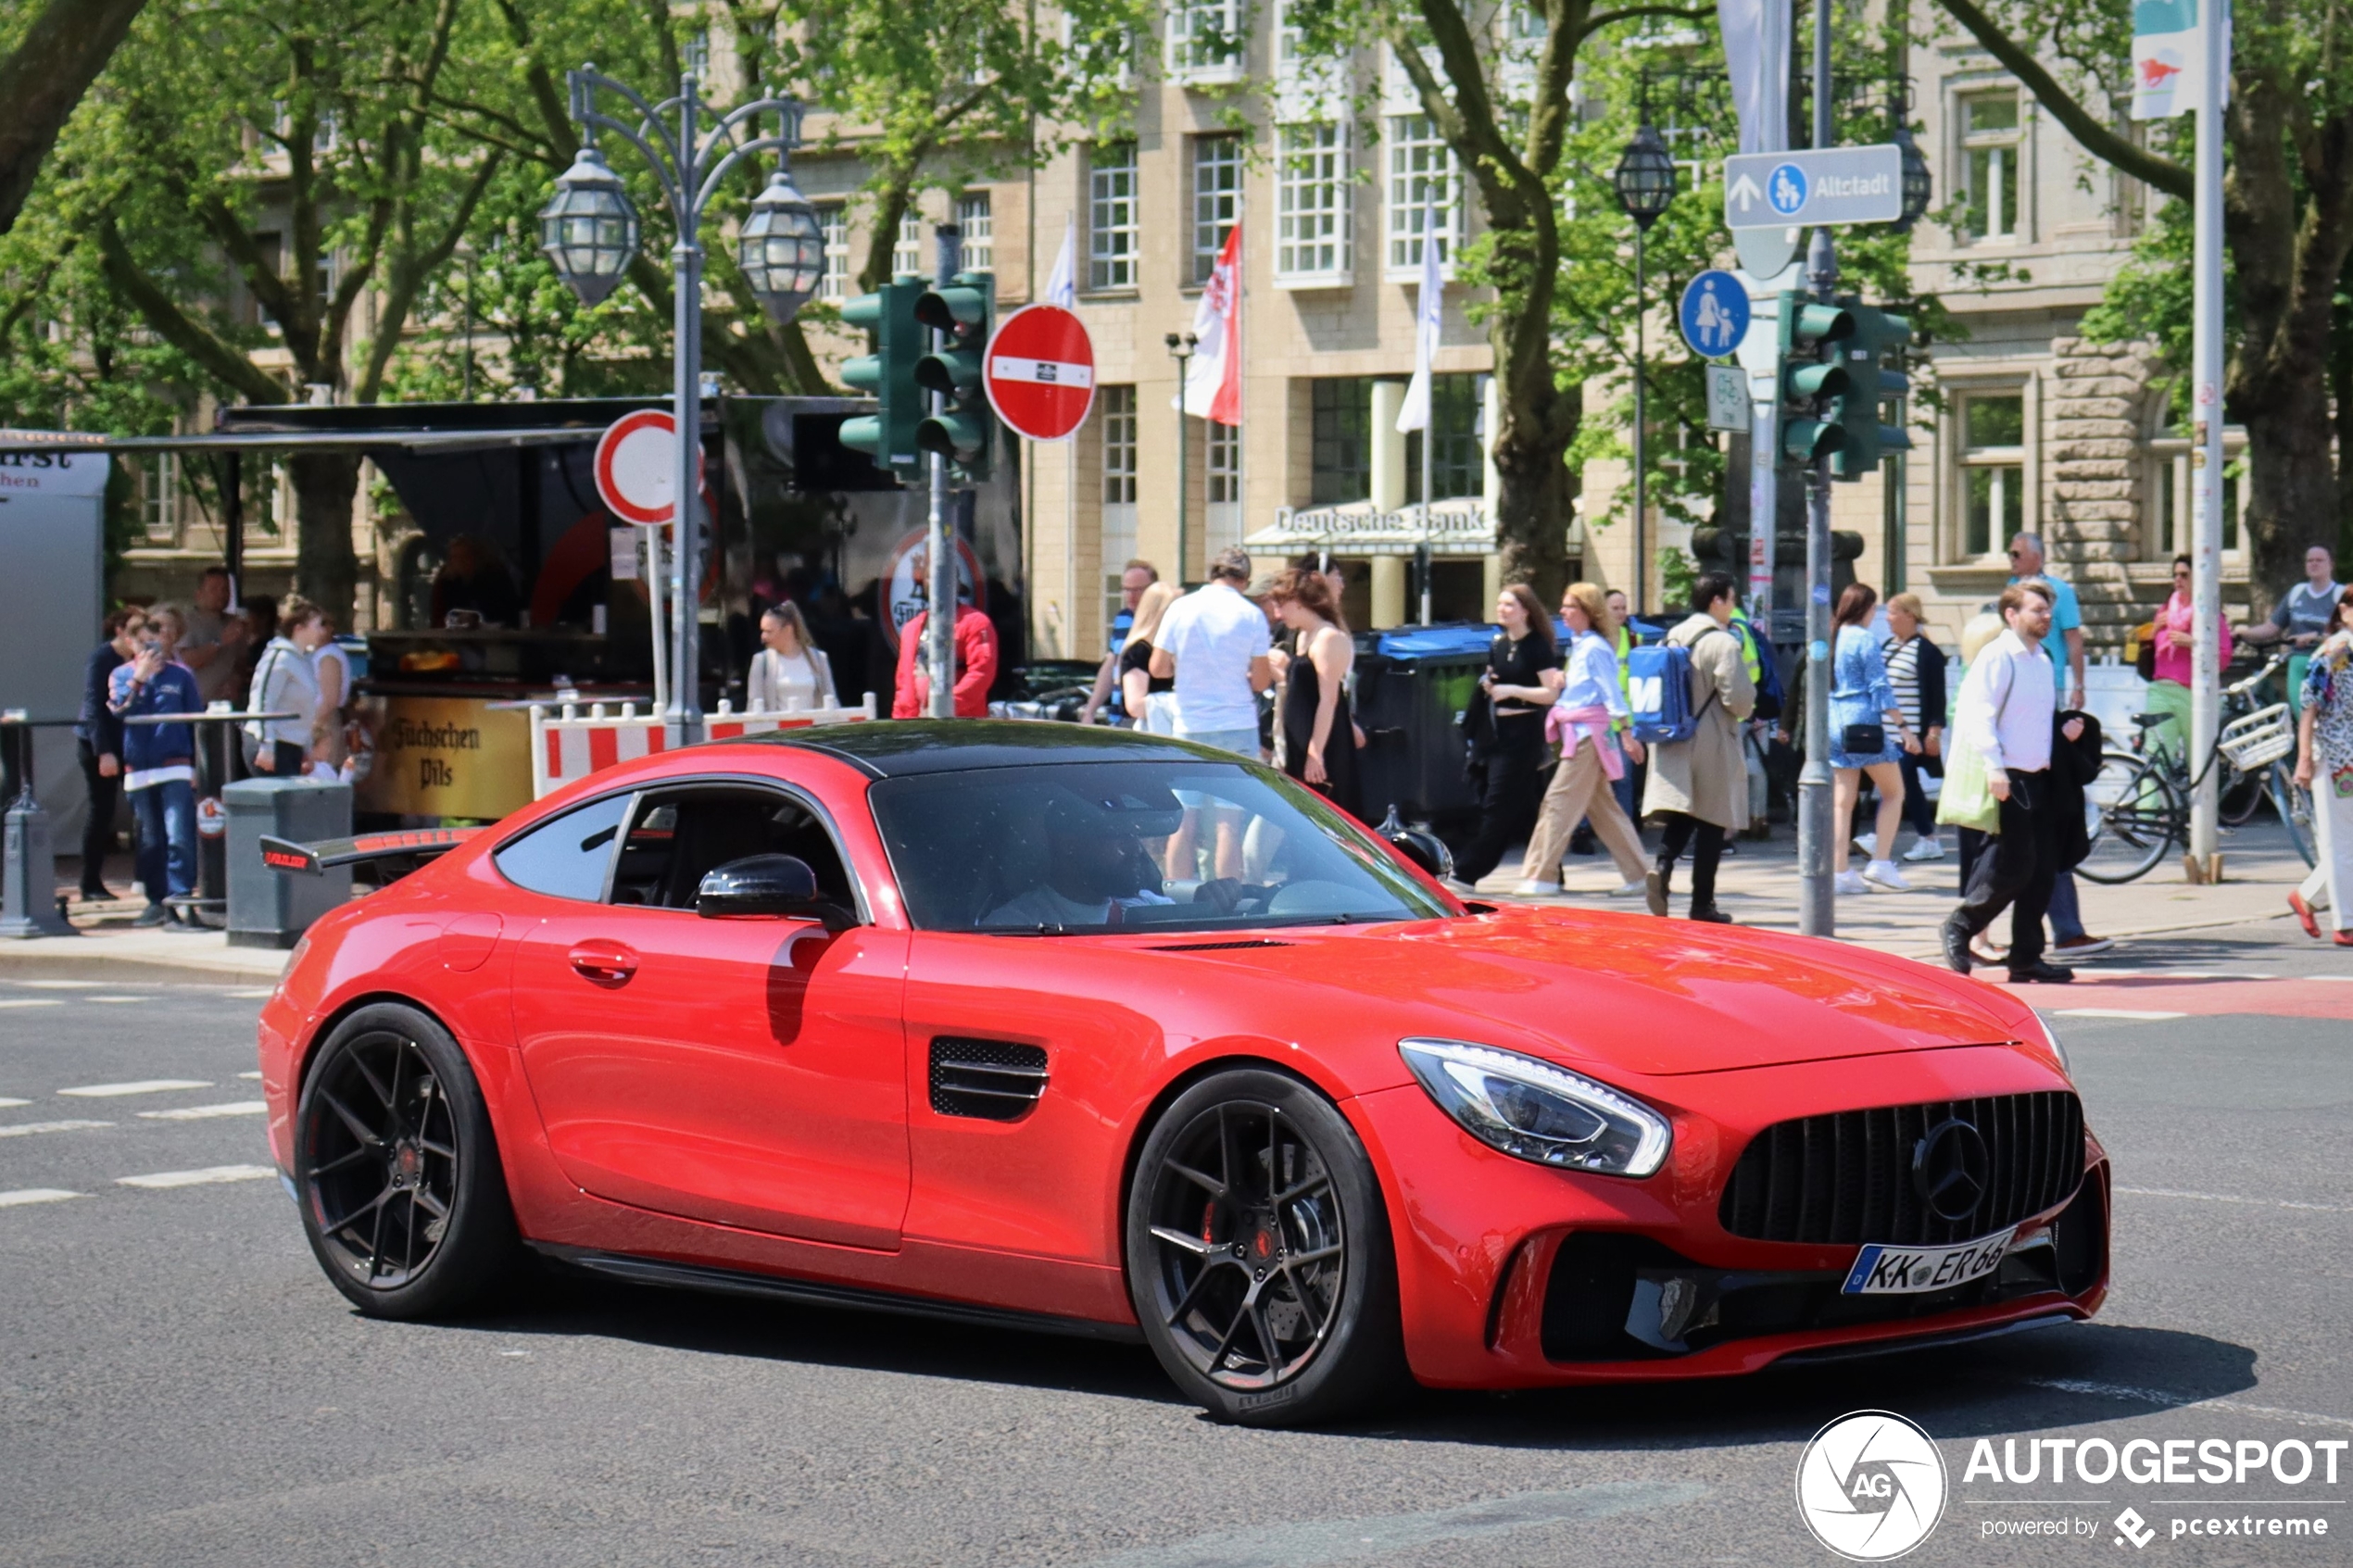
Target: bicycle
pixel 2138 809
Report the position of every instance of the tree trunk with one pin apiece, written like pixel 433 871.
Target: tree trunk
pixel 1538 421
pixel 326 568
pixel 60 54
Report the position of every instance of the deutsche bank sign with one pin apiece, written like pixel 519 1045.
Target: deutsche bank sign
pixel 1837 185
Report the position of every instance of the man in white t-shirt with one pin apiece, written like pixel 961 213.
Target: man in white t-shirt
pixel 1214 643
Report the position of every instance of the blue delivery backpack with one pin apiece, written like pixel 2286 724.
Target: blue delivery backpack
pixel 1658 691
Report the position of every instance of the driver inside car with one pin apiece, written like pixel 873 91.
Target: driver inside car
pixel 1096 871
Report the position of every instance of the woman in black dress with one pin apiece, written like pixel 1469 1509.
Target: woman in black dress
pixel 1319 736
pixel 1523 677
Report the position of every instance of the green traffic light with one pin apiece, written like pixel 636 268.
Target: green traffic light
pixel 888 374
pixel 961 313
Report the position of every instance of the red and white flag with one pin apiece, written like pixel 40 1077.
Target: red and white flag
pixel 1214 378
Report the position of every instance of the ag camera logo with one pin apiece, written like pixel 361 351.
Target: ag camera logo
pixel 1870 1485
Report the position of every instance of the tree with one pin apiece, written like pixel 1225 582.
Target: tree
pixel 41 80
pixel 2287 217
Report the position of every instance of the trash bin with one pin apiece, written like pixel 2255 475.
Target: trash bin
pixel 272 908
pixel 1412 685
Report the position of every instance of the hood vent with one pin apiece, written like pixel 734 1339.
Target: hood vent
pixel 991 1080
pixel 1219 947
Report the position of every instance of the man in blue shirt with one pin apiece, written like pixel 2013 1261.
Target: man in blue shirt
pixel 1138 576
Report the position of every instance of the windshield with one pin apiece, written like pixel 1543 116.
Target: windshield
pixel 1058 849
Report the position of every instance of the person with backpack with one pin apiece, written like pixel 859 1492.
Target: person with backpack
pixel 1690 695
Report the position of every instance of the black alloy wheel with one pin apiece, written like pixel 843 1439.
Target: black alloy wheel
pixel 1259 1256
pixel 401 1190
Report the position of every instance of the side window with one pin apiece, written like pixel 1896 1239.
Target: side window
pixel 566 857
pixel 679 836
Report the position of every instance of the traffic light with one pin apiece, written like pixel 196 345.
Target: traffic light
pixel 964 430
pixel 1813 339
pixel 1878 337
pixel 887 375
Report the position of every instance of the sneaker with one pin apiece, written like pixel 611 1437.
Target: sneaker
pixel 1532 889
pixel 154 914
pixel 1654 892
pixel 2296 901
pixel 1884 874
pixel 2083 946
pixel 1626 890
pixel 1850 881
pixel 1953 935
pixel 1925 849
pixel 1868 843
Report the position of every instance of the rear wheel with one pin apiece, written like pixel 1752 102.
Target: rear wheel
pixel 2294 804
pixel 1259 1256
pixel 402 1194
pixel 2135 815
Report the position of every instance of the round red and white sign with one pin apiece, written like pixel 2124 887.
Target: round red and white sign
pixel 637 462
pixel 1040 372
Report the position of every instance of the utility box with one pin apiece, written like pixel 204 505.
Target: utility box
pixel 269 907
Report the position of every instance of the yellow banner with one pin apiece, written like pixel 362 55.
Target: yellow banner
pixel 444 757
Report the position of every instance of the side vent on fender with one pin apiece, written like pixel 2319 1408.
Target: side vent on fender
pixel 994 1080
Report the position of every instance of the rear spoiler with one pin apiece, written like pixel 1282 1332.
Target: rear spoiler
pixel 316 860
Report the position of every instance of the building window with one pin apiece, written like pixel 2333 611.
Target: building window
pixel 980 232
pixel 1992 140
pixel 1453 413
pixel 907 256
pixel 1425 198
pixel 833 223
pixel 1342 455
pixel 159 499
pixel 1218 198
pixel 1225 463
pixel 1118 405
pixel 1992 470
pixel 2172 529
pixel 1112 237
pixel 1206 41
pixel 1312 191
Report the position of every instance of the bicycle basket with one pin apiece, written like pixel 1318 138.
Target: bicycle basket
pixel 2259 739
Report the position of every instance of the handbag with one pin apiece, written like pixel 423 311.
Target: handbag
pixel 1966 800
pixel 1863 740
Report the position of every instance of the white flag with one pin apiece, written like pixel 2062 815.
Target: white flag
pixel 1062 284
pixel 1756 44
pixel 1429 319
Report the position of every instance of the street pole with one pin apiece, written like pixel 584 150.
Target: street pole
pixel 1180 348
pixel 1642 451
pixel 1816 898
pixel 1429 461
pixel 939 623
pixel 2205 451
pixel 682 722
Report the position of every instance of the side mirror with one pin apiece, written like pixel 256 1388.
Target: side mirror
pixel 766 885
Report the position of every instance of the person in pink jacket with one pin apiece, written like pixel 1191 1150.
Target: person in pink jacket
pixel 976 667
pixel 2169 692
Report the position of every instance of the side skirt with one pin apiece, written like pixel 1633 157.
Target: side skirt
pixel 815 1293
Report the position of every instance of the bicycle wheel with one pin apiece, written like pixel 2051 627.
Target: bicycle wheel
pixel 2135 815
pixel 2242 793
pixel 2295 806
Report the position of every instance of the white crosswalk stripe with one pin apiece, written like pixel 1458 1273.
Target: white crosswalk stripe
pixel 32 1002
pixel 205 1113
pixel 60 985
pixel 136 1086
pixel 11 1104
pixel 204 1177
pixel 23 1196
pixel 25 1129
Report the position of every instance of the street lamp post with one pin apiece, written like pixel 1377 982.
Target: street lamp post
pixel 1646 182
pixel 1180 348
pixel 590 232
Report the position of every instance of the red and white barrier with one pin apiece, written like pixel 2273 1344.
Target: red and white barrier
pixel 568 744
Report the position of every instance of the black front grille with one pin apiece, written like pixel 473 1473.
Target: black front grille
pixel 1846 1178
pixel 994 1080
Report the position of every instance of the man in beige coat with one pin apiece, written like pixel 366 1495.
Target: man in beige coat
pixel 1700 786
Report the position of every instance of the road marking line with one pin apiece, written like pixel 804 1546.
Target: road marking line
pixel 2092 973
pixel 34 1002
pixel 2230 1198
pixel 12 1104
pixel 23 1196
pixel 255 1075
pixel 251 996
pixel 204 1177
pixel 2342 979
pixel 22 1128
pixel 60 985
pixel 136 1086
pixel 2167 1398
pixel 2135 1013
pixel 203 1113
pixel 118 999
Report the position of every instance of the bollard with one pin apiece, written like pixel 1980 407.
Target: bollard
pixel 29 894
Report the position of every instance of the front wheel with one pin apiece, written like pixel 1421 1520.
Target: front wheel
pixel 2294 804
pixel 402 1194
pixel 2135 815
pixel 1259 1258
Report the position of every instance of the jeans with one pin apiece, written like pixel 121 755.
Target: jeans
pixel 1918 810
pixel 98 827
pixel 1241 743
pixel 2016 870
pixel 1680 829
pixel 167 816
pixel 2066 920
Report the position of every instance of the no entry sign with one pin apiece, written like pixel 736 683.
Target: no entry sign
pixel 1040 372
pixel 636 463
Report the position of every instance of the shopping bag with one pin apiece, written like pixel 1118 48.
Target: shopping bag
pixel 1966 800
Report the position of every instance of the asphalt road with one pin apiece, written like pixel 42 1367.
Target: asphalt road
pixel 180 1386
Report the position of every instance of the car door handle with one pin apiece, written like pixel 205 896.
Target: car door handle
pixel 608 964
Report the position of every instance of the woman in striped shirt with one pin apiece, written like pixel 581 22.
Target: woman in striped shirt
pixel 1916 668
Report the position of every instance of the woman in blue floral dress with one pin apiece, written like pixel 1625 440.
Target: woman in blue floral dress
pixel 1862 697
pixel 2324 766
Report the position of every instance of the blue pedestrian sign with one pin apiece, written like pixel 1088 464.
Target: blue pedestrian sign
pixel 1715 314
pixel 1785 188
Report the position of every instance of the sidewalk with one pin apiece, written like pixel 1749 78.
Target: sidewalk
pixel 1758 887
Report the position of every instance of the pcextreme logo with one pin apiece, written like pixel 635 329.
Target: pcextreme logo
pixel 1870 1485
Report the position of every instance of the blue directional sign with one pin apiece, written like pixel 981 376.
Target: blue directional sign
pixel 1832 185
pixel 1715 314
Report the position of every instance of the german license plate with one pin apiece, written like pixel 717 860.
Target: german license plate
pixel 1882 1269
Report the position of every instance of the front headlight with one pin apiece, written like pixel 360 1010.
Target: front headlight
pixel 1533 1111
pixel 2051 1042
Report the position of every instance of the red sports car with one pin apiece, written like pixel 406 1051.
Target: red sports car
pixel 1103 1033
